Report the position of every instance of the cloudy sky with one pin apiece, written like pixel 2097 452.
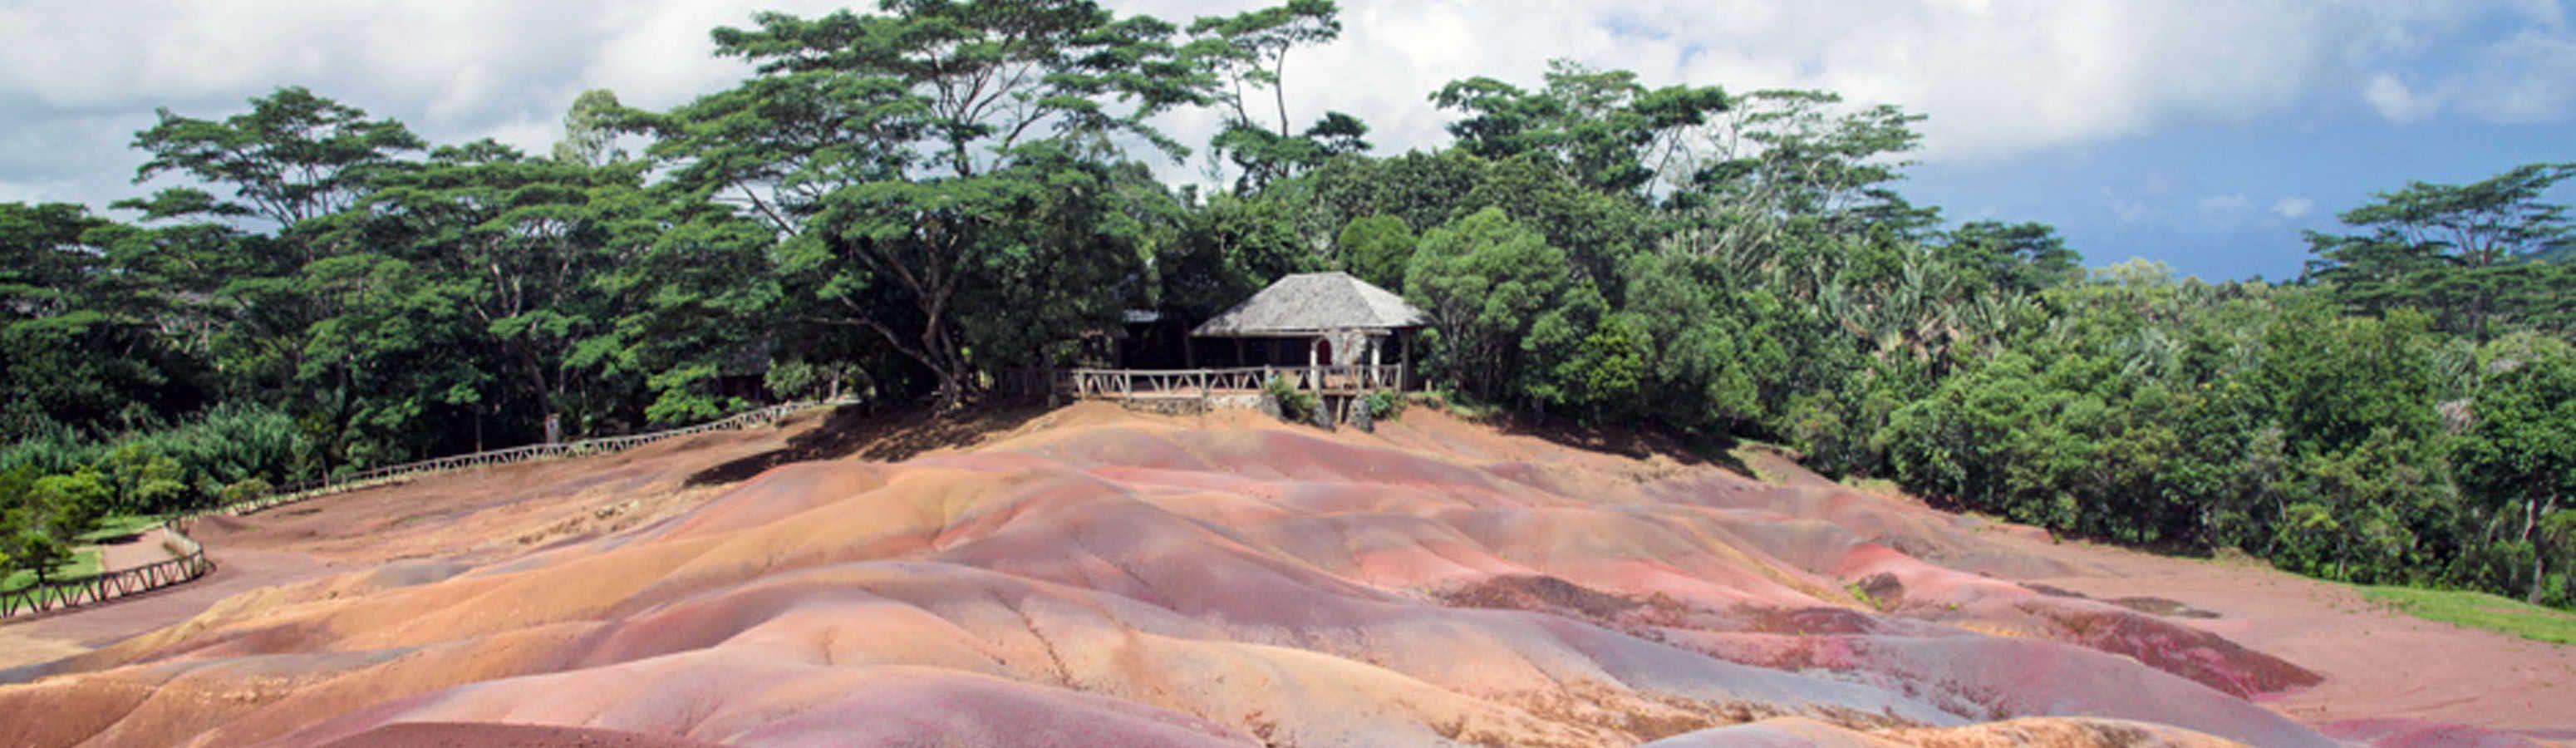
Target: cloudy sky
pixel 2205 134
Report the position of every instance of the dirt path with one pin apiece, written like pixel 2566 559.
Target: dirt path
pixel 144 548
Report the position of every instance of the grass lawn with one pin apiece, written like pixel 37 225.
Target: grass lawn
pixel 119 525
pixel 2481 610
pixel 83 562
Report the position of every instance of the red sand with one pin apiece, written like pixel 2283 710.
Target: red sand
pixel 1099 577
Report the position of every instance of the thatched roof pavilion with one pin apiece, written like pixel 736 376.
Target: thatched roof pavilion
pixel 1309 304
pixel 1318 319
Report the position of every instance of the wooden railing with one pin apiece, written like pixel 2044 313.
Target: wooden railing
pixel 308 489
pixel 188 561
pixel 188 557
pixel 1123 384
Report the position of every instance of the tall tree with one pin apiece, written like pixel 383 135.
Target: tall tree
pixel 294 156
pixel 590 130
pixel 523 238
pixel 1783 169
pixel 895 153
pixel 82 340
pixel 1250 51
pixel 1604 128
pixel 2463 250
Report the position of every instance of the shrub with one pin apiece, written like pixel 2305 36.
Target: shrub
pixel 1385 406
pixel 1294 404
pixel 244 490
pixel 36 551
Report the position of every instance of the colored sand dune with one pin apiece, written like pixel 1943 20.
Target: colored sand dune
pixel 1101 578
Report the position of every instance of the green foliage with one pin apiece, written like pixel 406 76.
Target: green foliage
pixel 294 156
pixel 76 563
pixel 1376 248
pixel 1249 51
pixel 1295 405
pixel 1507 316
pixel 141 477
pixel 2518 459
pixel 1386 406
pixel 244 490
pixel 1600 126
pixel 927 167
pixel 2459 251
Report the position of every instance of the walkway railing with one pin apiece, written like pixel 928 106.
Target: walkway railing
pixel 189 560
pixel 1123 384
pixel 308 489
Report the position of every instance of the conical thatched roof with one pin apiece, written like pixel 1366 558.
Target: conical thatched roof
pixel 1313 304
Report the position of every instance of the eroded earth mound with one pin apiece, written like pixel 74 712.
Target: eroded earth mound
pixel 1104 578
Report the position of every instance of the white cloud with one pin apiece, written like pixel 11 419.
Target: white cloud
pixel 1999 78
pixel 2530 77
pixel 2294 207
pixel 2397 102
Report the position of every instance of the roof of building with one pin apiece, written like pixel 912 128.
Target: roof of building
pixel 1314 303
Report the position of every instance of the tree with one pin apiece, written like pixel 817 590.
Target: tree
pixel 2023 257
pixel 1603 128
pixel 590 130
pixel 2461 249
pixel 1250 51
pixel 1376 248
pixel 141 480
pixel 294 156
pixel 2334 381
pixel 1506 318
pixel 2520 455
pixel 81 328
pixel 893 153
pixel 520 240
pixel 55 510
pixel 1782 168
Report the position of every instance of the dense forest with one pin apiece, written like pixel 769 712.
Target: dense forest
pixel 931 205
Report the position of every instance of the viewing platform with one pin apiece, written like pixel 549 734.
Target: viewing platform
pixel 1344 380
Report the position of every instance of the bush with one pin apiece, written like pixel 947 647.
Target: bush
pixel 37 552
pixel 1294 405
pixel 1385 406
pixel 244 490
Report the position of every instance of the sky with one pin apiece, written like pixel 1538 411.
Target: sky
pixel 2204 134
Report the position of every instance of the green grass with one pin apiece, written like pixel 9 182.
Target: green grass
pixel 83 562
pixel 119 525
pixel 2479 610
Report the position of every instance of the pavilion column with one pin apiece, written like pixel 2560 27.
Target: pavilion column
pixel 1374 342
pixel 1315 363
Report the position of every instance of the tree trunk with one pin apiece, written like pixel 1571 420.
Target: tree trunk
pixel 2538 573
pixel 2539 551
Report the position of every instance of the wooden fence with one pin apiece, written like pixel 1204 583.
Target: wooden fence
pixel 1128 384
pixel 189 560
pixel 308 489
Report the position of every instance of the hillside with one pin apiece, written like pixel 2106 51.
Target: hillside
pixel 1092 576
